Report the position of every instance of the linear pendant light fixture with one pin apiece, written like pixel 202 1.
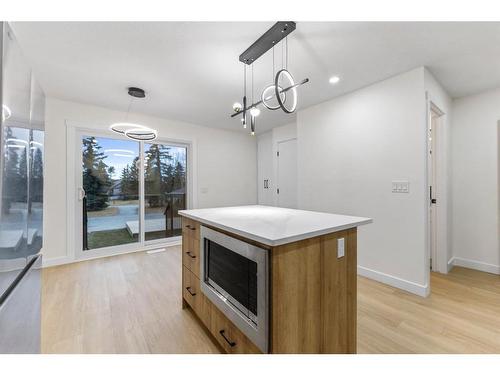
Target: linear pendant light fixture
pixel 282 92
pixel 130 130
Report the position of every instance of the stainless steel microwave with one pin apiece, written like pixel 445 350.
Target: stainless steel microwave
pixel 234 276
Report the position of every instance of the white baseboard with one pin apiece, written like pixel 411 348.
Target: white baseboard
pixel 58 261
pixel 409 286
pixel 476 265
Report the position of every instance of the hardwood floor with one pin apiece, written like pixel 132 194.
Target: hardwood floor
pixel 123 304
pixel 132 304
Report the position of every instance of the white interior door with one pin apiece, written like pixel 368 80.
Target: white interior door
pixel 287 174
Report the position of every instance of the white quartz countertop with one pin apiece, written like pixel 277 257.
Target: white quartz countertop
pixel 273 226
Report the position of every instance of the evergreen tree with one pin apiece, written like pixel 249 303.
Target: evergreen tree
pixel 157 173
pixel 179 178
pixel 37 176
pixel 129 181
pixel 11 177
pixel 96 177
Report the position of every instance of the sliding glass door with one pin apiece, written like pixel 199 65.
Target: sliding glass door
pixel 131 191
pixel 164 189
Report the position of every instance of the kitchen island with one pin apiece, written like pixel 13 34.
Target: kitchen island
pixel 264 279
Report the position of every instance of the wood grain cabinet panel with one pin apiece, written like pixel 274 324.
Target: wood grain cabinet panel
pixel 191 254
pixel 194 296
pixel 339 294
pixel 190 228
pixel 231 339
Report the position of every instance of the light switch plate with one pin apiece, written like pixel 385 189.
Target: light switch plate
pixel 401 186
pixel 340 247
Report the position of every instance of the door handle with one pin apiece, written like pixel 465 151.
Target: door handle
pixel 433 200
pixel 81 193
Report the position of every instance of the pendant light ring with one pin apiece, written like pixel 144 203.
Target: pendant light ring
pixel 265 97
pixel 141 134
pixel 286 74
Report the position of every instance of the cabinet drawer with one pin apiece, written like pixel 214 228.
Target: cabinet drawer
pixel 190 228
pixel 195 297
pixel 191 254
pixel 229 337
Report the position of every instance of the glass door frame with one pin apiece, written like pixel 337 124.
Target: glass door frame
pixel 142 208
pixel 75 202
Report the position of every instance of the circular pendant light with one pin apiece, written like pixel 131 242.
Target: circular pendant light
pixel 141 134
pixel 269 93
pixel 130 130
pixel 122 127
pixel 277 90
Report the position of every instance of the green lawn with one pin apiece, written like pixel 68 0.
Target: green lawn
pixel 120 237
pixel 107 238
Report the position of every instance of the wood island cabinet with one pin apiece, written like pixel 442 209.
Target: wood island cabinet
pixel 312 295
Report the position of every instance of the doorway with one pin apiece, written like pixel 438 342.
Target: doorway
pixel 286 189
pixel 129 193
pixel 434 176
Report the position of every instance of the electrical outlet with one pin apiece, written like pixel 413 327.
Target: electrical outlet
pixel 340 247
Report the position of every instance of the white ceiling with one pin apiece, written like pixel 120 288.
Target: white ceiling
pixel 191 71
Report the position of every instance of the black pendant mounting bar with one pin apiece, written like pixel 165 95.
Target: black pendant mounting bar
pixel 269 39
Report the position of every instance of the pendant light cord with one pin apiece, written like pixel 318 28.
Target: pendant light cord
pixel 286 52
pixel 128 108
pixel 272 80
pixel 252 85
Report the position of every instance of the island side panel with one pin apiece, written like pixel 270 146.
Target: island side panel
pixel 313 296
pixel 339 293
pixel 296 297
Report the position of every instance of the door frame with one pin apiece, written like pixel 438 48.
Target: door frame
pixel 74 181
pixel 438 253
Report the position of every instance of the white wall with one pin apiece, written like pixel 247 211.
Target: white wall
pixel 475 180
pixel 268 162
pixel 440 98
pixel 350 149
pixel 225 164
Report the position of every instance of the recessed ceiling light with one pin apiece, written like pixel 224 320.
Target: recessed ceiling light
pixel 334 79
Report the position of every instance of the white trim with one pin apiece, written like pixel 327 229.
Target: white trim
pixel 476 265
pixel 57 261
pixel 439 259
pixel 451 263
pixel 409 286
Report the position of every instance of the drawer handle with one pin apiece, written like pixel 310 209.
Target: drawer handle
pixel 231 343
pixel 190 255
pixel 188 226
pixel 192 228
pixel 189 290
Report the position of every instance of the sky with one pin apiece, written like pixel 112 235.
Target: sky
pixel 121 153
